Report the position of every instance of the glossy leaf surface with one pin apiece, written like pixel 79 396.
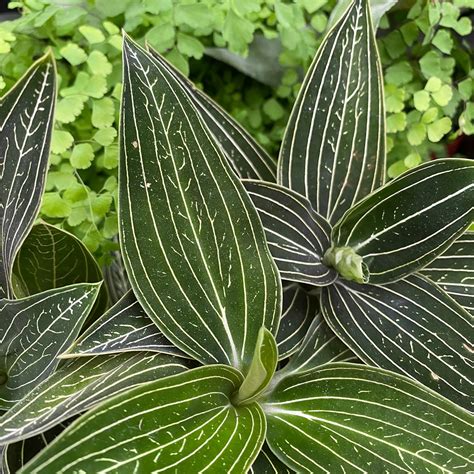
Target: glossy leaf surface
pixel 268 463
pixel 124 327
pixel 354 418
pixel 194 248
pixel 333 151
pixel 80 384
pixel 297 236
pixel 246 157
pixel 454 271
pixel 403 226
pixel 299 309
pixel 34 331
pixel 26 117
pixel 51 258
pixel 320 346
pixel 184 422
pixel 411 327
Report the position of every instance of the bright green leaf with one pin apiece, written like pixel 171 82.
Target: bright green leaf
pixel 103 112
pixel 74 54
pixel 82 156
pixel 91 34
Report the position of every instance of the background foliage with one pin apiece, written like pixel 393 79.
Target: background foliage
pixel 424 51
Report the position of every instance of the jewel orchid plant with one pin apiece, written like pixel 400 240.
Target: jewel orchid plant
pixel 367 367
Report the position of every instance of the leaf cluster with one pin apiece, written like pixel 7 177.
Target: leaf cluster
pixel 295 316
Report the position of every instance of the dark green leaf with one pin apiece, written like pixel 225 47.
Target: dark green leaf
pixel 34 331
pixel 268 463
pixel 454 271
pixel 354 418
pixel 194 248
pixel 333 151
pixel 182 423
pixel 297 236
pixel 411 327
pixel 51 258
pixel 319 347
pixel 403 226
pixel 26 114
pixel 80 384
pixel 116 278
pixel 124 327
pixel 299 309
pixel 246 157
pixel 16 455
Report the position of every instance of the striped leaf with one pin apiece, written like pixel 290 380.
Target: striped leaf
pixel 52 258
pixel 319 347
pixel 268 463
pixel 182 423
pixel 411 327
pixel 16 455
pixel 26 114
pixel 246 157
pixel 403 226
pixel 299 309
pixel 297 236
pixel 80 384
pixel 354 418
pixel 124 327
pixel 34 331
pixel 194 248
pixel 333 151
pixel 454 271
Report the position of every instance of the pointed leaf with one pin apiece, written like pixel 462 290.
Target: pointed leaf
pixel 403 226
pixel 190 228
pixel 182 423
pixel 26 116
pixel 333 151
pixel 80 384
pixel 411 327
pixel 297 236
pixel 124 327
pixel 268 463
pixel 246 157
pixel 299 309
pixel 34 331
pixel 261 369
pixel 454 271
pixel 354 418
pixel 51 258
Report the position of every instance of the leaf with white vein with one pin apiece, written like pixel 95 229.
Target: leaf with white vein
pixel 299 309
pixel 297 236
pixel 16 455
pixel 246 157
pixel 319 347
pixel 181 423
pixel 411 327
pixel 80 384
pixel 26 116
pixel 333 151
pixel 353 418
pixel 454 271
pixel 124 327
pixel 194 248
pixel 52 258
pixel 406 224
pixel 34 331
pixel 268 463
